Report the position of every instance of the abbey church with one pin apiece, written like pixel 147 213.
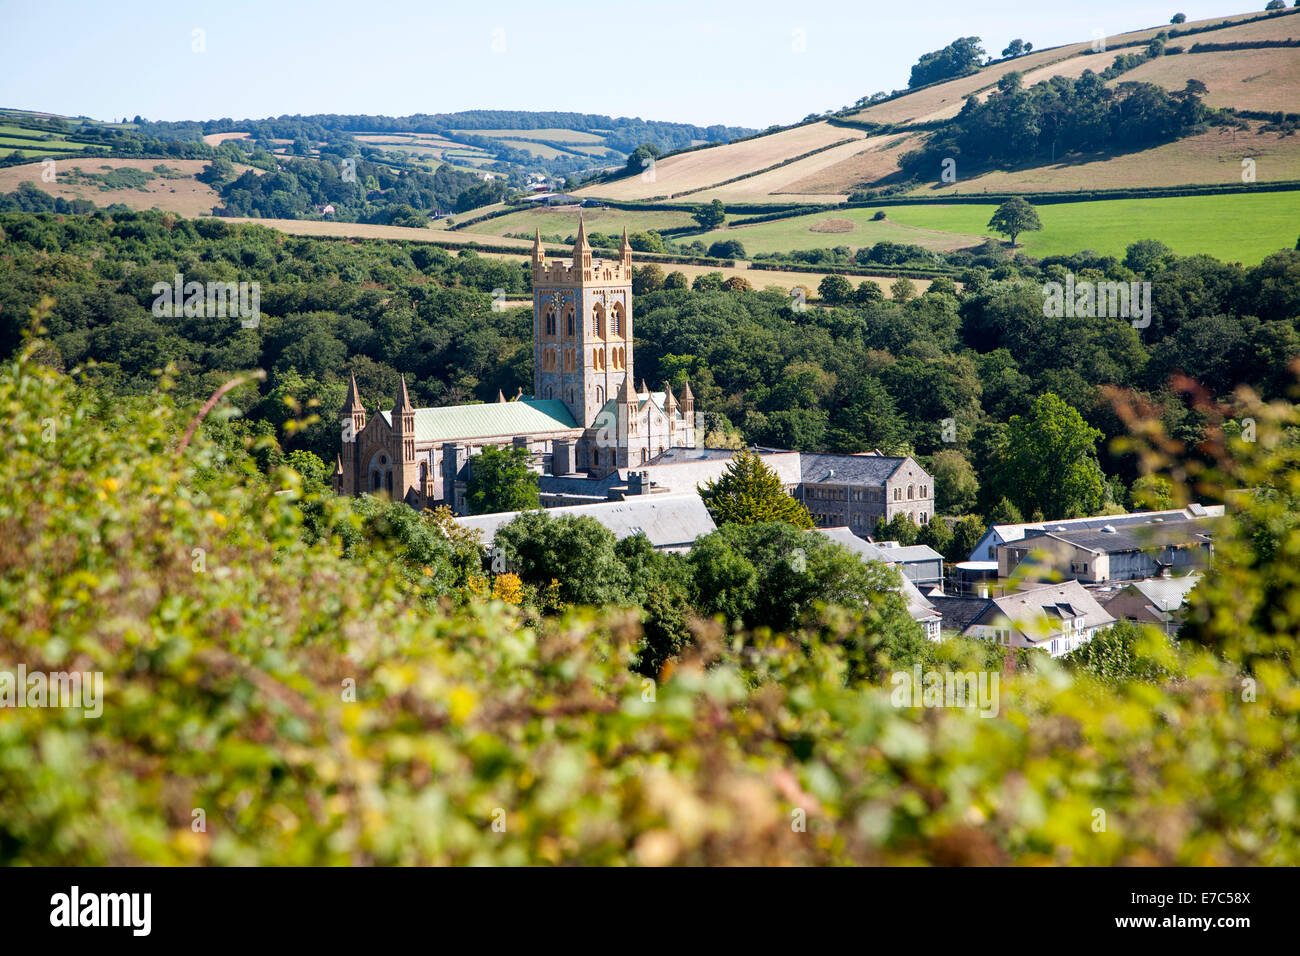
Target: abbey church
pixel 585 420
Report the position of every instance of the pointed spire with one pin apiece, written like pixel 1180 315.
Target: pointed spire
pixel 500 395
pixel 686 393
pixel 644 390
pixel 581 242
pixel 538 253
pixel 625 395
pixel 338 464
pixel 670 403
pixel 625 247
pixel 353 404
pixel 403 399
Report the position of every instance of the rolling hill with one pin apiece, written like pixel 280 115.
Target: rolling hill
pixel 827 160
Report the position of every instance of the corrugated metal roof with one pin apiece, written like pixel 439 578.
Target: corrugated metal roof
pixel 525 416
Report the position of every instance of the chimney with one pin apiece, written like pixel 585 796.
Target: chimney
pixel 562 456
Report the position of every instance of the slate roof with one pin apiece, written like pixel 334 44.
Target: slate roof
pixel 1030 609
pixel 919 607
pixel 848 469
pixel 668 521
pixel 1137 536
pixel 1166 594
pixel 864 549
pixel 912 554
pixel 677 456
pixel 525 416
pixel 958 612
pixel 1013 532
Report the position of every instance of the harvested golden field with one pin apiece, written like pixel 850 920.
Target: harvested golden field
pixel 860 169
pixel 1275 28
pixel 216 139
pixel 554 135
pixel 565 221
pixel 944 100
pixel 1073 68
pixel 1263 80
pixel 793 181
pixel 187 197
pixel 702 168
pixel 408 139
pixel 359 230
pixel 1214 156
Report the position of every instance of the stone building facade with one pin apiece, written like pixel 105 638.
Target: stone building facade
pixel 585 419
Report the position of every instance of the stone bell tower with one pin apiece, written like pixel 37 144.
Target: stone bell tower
pixel 582 326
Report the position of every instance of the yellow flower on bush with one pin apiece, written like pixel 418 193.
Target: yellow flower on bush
pixel 507 587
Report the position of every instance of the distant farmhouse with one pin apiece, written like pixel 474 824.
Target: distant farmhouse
pixel 592 435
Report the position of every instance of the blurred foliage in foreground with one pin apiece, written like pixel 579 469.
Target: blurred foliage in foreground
pixel 231 631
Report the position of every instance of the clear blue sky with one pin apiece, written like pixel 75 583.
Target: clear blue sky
pixel 695 61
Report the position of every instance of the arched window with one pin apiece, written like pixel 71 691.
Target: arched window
pixel 616 319
pixel 600 395
pixel 645 455
pixel 568 319
pixel 550 392
pixel 910 496
pixel 548 317
pixel 598 320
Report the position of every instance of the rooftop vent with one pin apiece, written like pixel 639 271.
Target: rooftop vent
pixel 1108 529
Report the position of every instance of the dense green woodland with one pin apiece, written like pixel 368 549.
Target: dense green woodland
pixel 345 681
pixel 966 380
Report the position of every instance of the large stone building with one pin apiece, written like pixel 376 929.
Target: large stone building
pixel 592 435
pixel 585 418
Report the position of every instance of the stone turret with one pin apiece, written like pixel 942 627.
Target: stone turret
pixel 625 252
pixel 405 472
pixel 582 252
pixel 539 255
pixel 670 403
pixel 354 422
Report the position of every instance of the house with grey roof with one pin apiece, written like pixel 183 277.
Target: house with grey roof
pixel 849 491
pixel 919 607
pixel 1160 601
pixel 1056 618
pixel 669 522
pixel 986 549
pixel 1114 552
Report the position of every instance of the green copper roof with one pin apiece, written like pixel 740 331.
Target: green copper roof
pixel 525 416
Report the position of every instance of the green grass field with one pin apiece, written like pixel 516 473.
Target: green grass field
pixel 1233 228
pixel 49 145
